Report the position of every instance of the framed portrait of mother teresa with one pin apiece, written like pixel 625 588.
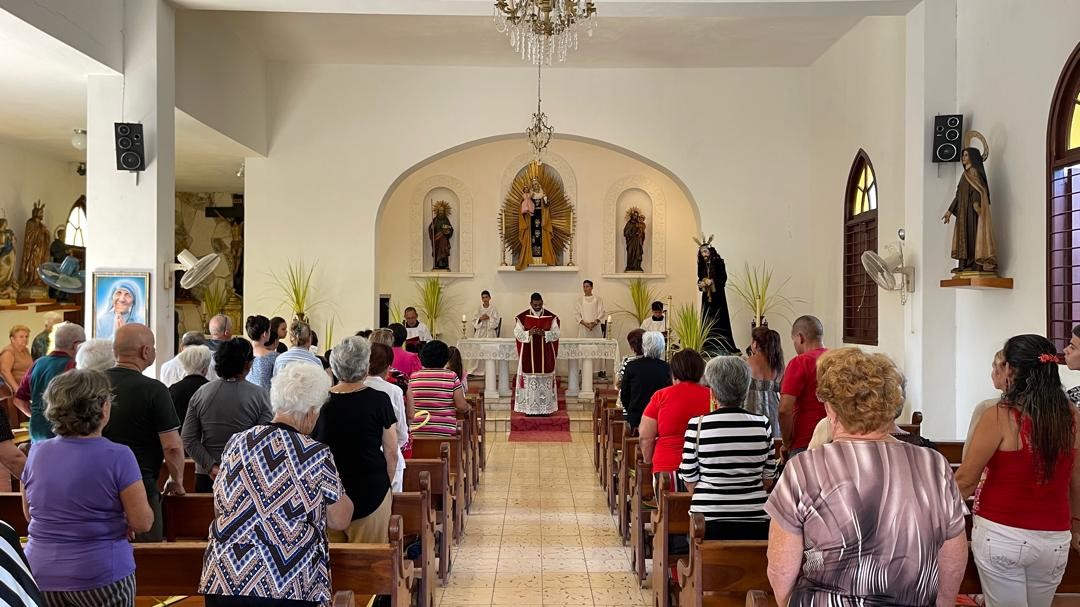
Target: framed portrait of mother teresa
pixel 120 298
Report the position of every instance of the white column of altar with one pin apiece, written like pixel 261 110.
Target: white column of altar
pixel 490 389
pixel 586 393
pixel 504 378
pixel 573 390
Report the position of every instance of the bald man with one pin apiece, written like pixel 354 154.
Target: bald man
pixel 220 331
pixel 800 409
pixel 144 419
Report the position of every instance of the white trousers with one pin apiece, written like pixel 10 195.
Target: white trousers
pixel 1018 567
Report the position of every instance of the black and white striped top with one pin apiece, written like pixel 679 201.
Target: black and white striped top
pixel 17 586
pixel 729 462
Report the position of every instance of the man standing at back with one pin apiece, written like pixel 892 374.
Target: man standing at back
pixel 143 418
pixel 30 396
pixel 590 313
pixel 220 331
pixel 800 409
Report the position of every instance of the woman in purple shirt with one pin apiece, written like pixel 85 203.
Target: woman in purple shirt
pixel 84 497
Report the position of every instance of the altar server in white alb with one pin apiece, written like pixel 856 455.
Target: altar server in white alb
pixel 416 330
pixel 657 321
pixel 537 333
pixel 486 321
pixel 590 313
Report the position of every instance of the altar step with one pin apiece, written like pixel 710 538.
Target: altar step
pixel 580 420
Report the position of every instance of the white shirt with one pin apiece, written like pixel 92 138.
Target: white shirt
pixel 171 371
pixel 654 325
pixel 397 399
pixel 590 308
pixel 420 330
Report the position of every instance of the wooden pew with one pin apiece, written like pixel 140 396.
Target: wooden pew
pixel 627 460
pixel 915 427
pixel 720 573
pixel 418 521
pixel 425 447
pixel 641 492
pixel 360 570
pixel 672 516
pixel 953 450
pixel 600 404
pixel 442 501
pixel 616 431
pixel 187 517
pixel 11 512
pixel 189 476
pixel 466 430
pixel 609 416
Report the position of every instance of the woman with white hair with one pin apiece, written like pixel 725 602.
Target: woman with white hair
pixel 95 355
pixel 728 457
pixel 642 377
pixel 359 426
pixel 285 487
pixel 194 361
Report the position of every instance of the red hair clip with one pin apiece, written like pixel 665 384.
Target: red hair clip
pixel 1048 358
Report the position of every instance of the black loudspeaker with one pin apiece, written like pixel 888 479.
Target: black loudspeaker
pixel 129 147
pixel 947 131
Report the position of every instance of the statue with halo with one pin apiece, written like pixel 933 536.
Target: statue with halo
pixel 973 245
pixel 634 233
pixel 440 231
pixel 36 241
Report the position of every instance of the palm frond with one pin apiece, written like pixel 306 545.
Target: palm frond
pixel 434 300
pixel 641 297
pixel 295 287
pixel 396 315
pixel 214 298
pixel 756 290
pixel 692 330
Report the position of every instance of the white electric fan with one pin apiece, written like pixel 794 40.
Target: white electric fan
pixel 885 268
pixel 196 270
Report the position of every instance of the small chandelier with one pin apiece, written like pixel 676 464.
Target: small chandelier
pixel 539 132
pixel 538 29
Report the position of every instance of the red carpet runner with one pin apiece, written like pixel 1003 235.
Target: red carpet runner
pixel 554 428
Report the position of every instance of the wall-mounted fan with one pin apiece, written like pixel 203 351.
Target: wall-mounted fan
pixel 885 268
pixel 195 270
pixel 64 276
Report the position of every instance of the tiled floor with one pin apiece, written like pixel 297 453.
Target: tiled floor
pixel 540 534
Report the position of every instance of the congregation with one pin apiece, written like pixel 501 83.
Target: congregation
pixel 300 450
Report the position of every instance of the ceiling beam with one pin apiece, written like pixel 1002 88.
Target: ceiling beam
pixel 607 8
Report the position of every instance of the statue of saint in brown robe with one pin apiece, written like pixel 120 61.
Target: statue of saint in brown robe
pixel 973 245
pixel 36 241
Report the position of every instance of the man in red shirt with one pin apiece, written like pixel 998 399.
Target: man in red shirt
pixel 800 409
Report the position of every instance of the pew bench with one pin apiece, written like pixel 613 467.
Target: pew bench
pixel 425 447
pixel 642 504
pixel 672 516
pixel 610 416
pixel 617 430
pixel 720 573
pixel 627 459
pixel 441 502
pixel 418 524
pixel 359 571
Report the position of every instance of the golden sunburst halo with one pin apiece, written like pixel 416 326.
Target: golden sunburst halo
pixel 559 202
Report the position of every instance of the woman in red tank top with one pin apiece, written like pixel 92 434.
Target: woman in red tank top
pixel 1027 507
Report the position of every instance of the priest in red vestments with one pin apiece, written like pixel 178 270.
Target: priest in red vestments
pixel 537 335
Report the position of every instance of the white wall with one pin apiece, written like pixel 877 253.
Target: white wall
pixel 596 170
pixel 341 135
pixel 93 28
pixel 857 101
pixel 1009 57
pixel 220 78
pixel 26 177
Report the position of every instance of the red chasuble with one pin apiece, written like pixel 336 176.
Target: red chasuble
pixel 537 356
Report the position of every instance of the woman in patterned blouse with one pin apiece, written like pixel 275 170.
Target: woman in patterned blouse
pixel 437 390
pixel 279 492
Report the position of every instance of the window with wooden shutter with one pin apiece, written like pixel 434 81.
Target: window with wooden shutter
pixel 1063 206
pixel 860 234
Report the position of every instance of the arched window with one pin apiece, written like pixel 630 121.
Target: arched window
pixel 1063 205
pixel 860 234
pixel 75 228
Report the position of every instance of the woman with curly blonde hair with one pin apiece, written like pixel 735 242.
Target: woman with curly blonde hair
pixel 873 516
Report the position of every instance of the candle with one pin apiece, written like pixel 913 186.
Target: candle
pixel 609 319
pixel 463 318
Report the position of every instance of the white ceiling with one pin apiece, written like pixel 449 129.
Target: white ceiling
pixel 747 41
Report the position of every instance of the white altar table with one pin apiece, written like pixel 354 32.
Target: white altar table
pixel 579 352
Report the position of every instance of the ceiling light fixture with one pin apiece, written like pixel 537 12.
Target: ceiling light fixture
pixel 542 29
pixel 240 171
pixel 539 132
pixel 78 140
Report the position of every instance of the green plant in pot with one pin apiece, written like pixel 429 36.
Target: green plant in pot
pixel 214 298
pixel 434 301
pixel 641 297
pixel 761 295
pixel 295 288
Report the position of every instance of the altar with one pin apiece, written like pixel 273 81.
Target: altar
pixel 498 353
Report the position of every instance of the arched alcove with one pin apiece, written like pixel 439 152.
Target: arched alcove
pixel 600 179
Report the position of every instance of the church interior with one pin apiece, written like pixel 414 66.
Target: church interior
pixel 742 163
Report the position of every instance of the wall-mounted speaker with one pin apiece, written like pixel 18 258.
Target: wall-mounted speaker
pixel 948 129
pixel 129 146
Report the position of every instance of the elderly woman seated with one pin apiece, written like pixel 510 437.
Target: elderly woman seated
pixel 359 425
pixel 84 497
pixel 195 363
pixel 222 408
pixel 728 457
pixel 279 492
pixel 95 355
pixel 876 517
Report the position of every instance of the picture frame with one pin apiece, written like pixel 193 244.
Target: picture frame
pixel 112 308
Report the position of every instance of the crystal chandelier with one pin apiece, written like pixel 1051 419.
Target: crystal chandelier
pixel 539 132
pixel 538 29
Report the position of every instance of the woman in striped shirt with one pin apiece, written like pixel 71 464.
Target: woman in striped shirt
pixel 728 460
pixel 436 390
